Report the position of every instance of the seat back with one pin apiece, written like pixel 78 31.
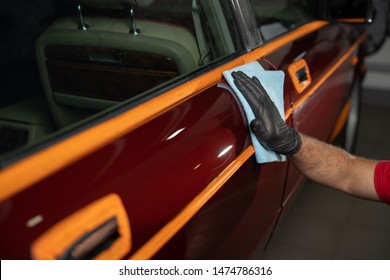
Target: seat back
pixel 88 63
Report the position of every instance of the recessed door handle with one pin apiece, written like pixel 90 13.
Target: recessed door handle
pixel 93 242
pixel 100 230
pixel 300 75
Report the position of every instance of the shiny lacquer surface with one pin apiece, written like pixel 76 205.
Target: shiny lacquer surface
pixel 247 210
pixel 160 167
pixel 157 169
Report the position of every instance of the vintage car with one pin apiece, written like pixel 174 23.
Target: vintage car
pixel 132 146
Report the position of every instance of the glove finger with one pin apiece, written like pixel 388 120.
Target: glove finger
pixel 248 90
pixel 264 98
pixel 263 94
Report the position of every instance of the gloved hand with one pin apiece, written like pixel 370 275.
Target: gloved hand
pixel 268 126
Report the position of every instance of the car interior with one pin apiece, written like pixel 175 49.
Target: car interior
pixel 101 53
pixel 67 61
pixel 277 17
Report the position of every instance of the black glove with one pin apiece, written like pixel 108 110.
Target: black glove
pixel 268 126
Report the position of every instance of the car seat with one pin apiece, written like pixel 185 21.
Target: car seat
pixel 90 62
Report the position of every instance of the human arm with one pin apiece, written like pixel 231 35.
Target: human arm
pixel 334 167
pixel 317 160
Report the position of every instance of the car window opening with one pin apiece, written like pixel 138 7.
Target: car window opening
pixel 276 17
pixel 95 55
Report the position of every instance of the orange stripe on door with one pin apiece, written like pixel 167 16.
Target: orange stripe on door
pixel 340 121
pixel 153 245
pixel 324 77
pixel 64 153
pixel 40 165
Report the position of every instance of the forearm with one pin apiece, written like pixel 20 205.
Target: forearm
pixel 318 161
pixel 335 168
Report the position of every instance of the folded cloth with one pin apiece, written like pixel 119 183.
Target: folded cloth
pixel 272 82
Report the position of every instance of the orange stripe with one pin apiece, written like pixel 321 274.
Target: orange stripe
pixel 324 77
pixel 62 154
pixel 353 20
pixel 341 121
pixel 355 60
pixel 154 244
pixel 40 165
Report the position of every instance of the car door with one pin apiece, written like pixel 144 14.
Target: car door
pixel 322 63
pixel 170 173
pixel 167 174
pixel 322 68
pixel 294 42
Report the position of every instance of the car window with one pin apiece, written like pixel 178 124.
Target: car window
pixel 276 17
pixel 69 61
pixel 348 9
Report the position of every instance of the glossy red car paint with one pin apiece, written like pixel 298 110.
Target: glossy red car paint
pixel 139 168
pixel 160 167
pixel 325 105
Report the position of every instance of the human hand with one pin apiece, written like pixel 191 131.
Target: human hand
pixel 268 126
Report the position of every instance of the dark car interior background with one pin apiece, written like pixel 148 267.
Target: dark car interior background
pixel 69 60
pixel 92 55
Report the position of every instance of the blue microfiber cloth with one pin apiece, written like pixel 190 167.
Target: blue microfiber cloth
pixel 272 82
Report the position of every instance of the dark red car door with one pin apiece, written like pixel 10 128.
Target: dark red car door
pixel 329 57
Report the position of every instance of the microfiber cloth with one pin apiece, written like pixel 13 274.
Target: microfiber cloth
pixel 272 82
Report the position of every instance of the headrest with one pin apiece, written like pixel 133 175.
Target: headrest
pixel 116 4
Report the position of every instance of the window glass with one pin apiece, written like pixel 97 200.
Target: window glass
pixel 66 63
pixel 276 17
pixel 340 9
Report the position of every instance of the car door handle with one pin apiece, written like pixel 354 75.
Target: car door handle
pixel 99 230
pixel 93 242
pixel 300 75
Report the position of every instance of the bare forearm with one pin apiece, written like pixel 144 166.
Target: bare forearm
pixel 335 168
pixel 319 161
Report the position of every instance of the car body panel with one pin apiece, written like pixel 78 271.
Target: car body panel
pixel 332 73
pixel 45 162
pixel 120 167
pixel 345 74
pixel 182 162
